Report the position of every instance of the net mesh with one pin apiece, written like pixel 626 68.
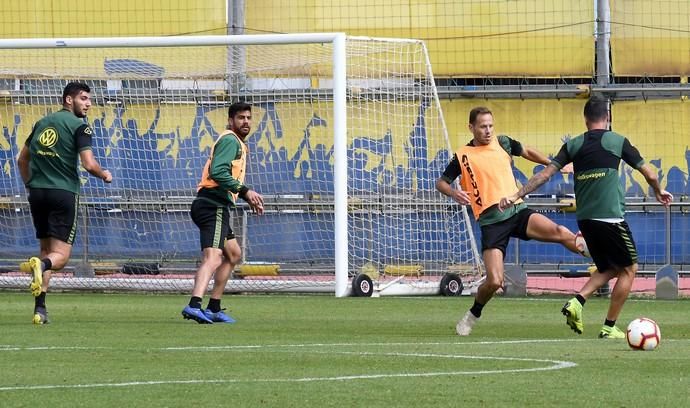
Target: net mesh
pixel 156 113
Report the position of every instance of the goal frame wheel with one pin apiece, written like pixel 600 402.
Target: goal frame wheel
pixel 362 285
pixel 451 285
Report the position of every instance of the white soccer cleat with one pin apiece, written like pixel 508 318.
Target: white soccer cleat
pixel 464 326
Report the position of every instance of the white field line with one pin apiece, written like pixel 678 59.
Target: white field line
pixel 548 364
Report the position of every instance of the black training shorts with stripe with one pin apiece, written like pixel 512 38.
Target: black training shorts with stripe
pixel 611 245
pixel 213 221
pixel 498 235
pixel 54 213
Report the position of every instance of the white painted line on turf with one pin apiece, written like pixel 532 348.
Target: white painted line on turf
pixel 35 348
pixel 555 365
pixel 9 347
pixel 469 343
pixel 550 364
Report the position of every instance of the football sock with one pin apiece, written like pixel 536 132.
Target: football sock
pixel 580 299
pixel 214 305
pixel 195 302
pixel 47 264
pixel 476 309
pixel 609 323
pixel 40 300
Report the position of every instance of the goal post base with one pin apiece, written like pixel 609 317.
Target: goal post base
pixel 666 283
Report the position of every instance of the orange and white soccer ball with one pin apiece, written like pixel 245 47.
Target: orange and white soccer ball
pixel 643 334
pixel 581 245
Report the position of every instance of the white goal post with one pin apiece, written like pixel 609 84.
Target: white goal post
pixel 347 140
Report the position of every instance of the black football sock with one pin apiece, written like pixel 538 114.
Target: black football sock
pixel 476 309
pixel 214 305
pixel 47 264
pixel 195 302
pixel 40 300
pixel 609 323
pixel 580 299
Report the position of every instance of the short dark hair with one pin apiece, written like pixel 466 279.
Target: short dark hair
pixel 73 88
pixel 596 108
pixel 479 110
pixel 237 107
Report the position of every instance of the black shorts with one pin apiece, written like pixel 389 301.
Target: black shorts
pixel 609 244
pixel 498 235
pixel 54 213
pixel 213 221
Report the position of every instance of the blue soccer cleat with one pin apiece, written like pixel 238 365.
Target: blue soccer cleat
pixel 219 316
pixel 195 314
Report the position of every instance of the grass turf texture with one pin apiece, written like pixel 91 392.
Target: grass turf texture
pixel 318 351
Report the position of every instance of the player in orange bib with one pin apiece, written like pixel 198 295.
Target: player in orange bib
pixel 222 182
pixel 486 175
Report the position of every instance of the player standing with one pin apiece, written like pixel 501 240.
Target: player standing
pixel 220 185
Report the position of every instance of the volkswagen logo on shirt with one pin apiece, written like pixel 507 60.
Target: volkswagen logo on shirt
pixel 48 138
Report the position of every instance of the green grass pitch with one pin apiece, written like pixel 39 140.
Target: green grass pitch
pixel 319 351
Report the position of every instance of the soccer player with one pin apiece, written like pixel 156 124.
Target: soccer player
pixel 600 200
pixel 220 185
pixel 48 164
pixel 486 175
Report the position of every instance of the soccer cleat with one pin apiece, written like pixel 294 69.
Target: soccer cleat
pixel 464 326
pixel 40 315
pixel 195 314
pixel 218 317
pixel 572 310
pixel 608 332
pixel 34 267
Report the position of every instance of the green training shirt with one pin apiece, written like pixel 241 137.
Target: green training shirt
pixel 224 172
pixel 596 157
pixel 54 144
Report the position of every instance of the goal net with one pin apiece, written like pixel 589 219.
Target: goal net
pixel 347 141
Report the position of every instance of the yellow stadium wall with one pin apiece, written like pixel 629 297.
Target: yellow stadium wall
pixel 465 38
pixel 105 18
pixel 542 38
pixel 650 38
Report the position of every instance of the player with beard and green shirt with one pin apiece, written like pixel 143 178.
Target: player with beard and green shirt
pixel 49 166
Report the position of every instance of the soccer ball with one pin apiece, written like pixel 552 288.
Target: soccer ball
pixel 581 245
pixel 643 334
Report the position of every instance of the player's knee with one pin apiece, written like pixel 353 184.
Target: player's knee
pixel 235 257
pixel 630 270
pixel 58 260
pixel 564 233
pixel 494 283
pixel 212 260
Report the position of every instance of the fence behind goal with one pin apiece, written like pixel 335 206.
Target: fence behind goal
pixel 346 164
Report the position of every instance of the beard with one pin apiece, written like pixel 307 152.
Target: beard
pixel 242 132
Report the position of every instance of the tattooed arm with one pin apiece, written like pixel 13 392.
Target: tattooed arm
pixel 532 184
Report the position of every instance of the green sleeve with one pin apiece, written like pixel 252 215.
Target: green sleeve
pixel 227 149
pixel 511 146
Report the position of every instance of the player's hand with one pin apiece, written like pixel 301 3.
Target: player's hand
pixel 255 201
pixel 567 169
pixel 107 177
pixel 507 202
pixel 664 197
pixel 461 197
